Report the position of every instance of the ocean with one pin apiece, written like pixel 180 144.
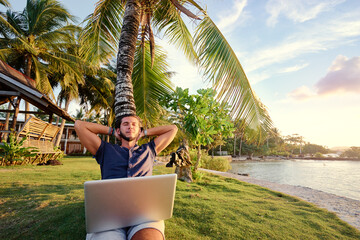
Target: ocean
pixel 338 177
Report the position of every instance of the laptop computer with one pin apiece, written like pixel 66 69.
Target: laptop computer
pixel 117 203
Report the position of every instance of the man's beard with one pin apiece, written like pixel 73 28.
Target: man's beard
pixel 125 137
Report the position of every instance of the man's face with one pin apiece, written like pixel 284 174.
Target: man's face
pixel 129 128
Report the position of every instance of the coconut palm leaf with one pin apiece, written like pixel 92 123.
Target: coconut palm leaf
pixel 213 54
pixel 40 38
pixel 5 3
pixel 221 66
pixel 101 34
pixel 167 19
pixel 150 82
pixel 98 90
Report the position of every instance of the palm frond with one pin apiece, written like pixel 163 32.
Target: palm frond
pixel 44 16
pixel 5 3
pixel 58 36
pixel 150 83
pixel 166 18
pixel 41 78
pixel 221 66
pixel 102 32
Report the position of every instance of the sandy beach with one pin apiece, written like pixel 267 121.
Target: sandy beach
pixel 345 208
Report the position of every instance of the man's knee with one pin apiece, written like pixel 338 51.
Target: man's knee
pixel 148 234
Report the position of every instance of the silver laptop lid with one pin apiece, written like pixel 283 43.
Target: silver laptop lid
pixel 117 203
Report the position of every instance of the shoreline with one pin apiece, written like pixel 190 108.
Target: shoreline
pixel 270 158
pixel 346 209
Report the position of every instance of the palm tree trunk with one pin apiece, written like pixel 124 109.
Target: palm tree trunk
pixel 241 139
pixel 107 123
pixel 124 99
pixel 67 103
pixel 234 144
pixel 59 104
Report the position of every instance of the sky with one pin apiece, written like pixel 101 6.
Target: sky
pixel 302 59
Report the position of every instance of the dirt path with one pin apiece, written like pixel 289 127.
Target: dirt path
pixel 347 209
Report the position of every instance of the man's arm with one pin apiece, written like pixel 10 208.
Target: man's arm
pixel 165 135
pixel 87 133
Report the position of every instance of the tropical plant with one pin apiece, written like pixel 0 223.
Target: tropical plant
pixel 12 152
pixel 69 82
pixel 5 3
pixel 151 82
pixel 79 115
pixel 98 92
pixel 215 163
pixel 200 116
pixel 116 24
pixel 35 40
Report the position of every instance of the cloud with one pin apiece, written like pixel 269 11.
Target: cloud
pixel 302 93
pixel 277 54
pixel 234 16
pixel 298 10
pixel 293 68
pixel 317 37
pixel 343 76
pixel 256 77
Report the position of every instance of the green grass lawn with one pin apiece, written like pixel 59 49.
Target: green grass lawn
pixel 47 202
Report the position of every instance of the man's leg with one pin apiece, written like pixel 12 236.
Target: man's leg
pixel 148 234
pixel 149 230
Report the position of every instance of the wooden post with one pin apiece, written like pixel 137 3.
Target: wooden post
pixel 17 105
pixel 51 118
pixel 66 140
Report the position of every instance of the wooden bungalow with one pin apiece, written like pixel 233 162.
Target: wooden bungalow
pixel 14 87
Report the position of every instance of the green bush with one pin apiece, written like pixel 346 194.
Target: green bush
pixel 193 155
pixel 13 152
pixel 197 175
pixel 319 155
pixel 215 163
pixel 280 153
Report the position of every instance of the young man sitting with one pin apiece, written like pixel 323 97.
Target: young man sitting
pixel 126 160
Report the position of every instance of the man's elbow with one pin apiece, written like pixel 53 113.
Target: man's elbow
pixel 78 125
pixel 174 128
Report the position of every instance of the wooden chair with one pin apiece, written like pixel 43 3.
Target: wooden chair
pixel 41 135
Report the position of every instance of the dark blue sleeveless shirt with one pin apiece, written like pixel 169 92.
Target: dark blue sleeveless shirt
pixel 120 162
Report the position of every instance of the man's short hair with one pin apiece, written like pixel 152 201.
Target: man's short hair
pixel 119 121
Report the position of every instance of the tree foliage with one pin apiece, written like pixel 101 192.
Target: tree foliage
pixel 206 48
pixel 353 152
pixel 200 116
pixel 35 40
pixel 12 151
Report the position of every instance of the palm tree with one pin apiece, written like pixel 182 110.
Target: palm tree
pixel 114 19
pixel 5 3
pixel 35 40
pixel 151 81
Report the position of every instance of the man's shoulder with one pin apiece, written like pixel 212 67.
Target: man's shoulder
pixel 150 145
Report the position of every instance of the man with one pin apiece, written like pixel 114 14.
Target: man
pixel 126 160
